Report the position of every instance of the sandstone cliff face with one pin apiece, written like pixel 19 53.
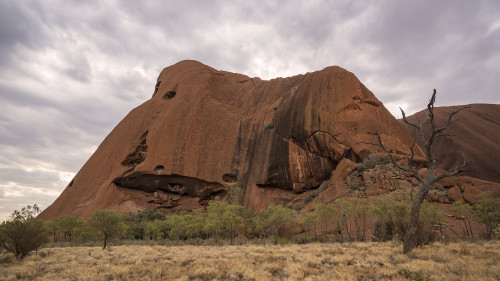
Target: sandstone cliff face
pixel 476 134
pixel 204 130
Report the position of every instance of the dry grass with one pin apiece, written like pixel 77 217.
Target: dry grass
pixel 357 261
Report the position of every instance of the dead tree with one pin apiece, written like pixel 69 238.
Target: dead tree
pixel 427 181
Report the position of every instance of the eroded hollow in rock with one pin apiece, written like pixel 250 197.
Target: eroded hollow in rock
pixel 159 169
pixel 157 86
pixel 71 183
pixel 138 156
pixel 229 178
pixel 177 184
pixel 170 94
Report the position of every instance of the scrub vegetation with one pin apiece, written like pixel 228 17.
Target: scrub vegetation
pixel 348 239
pixel 313 261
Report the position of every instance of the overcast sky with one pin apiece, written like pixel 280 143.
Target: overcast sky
pixel 71 70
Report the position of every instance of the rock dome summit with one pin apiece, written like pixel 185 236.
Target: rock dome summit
pixel 204 131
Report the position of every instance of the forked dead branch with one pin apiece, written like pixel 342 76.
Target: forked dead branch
pixel 427 181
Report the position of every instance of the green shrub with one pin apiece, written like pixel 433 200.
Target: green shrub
pixel 281 240
pixel 411 275
pixel 324 185
pixel 353 184
pixel 371 162
pixel 360 168
pixel 108 223
pixel 23 233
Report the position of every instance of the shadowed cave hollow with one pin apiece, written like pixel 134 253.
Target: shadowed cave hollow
pixel 137 157
pixel 169 95
pixel 185 186
pixel 157 86
pixel 229 178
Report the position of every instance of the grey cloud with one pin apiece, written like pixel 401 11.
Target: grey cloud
pixel 79 69
pixel 432 40
pixel 71 70
pixel 23 177
pixel 30 196
pixel 18 26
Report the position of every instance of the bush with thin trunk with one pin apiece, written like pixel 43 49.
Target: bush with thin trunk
pixel 23 233
pixel 108 224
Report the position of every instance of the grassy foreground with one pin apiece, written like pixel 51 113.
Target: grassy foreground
pixel 356 261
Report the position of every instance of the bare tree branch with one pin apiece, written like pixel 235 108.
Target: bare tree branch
pixel 430 179
pixel 445 135
pixel 410 160
pixel 458 169
pixel 450 121
pixel 408 121
pixel 391 156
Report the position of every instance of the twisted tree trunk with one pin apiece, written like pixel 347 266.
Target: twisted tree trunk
pixel 427 182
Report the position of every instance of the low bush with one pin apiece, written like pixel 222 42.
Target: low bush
pixel 23 233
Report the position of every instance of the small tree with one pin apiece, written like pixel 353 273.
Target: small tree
pixel 361 212
pixel 384 226
pixel 273 218
pixel 23 233
pixel 427 181
pixel 148 215
pixel 215 223
pixel 235 194
pixel 53 228
pixel 310 222
pixel 138 222
pixel 233 220
pixel 196 224
pixel 343 208
pixel 467 212
pixel 488 213
pixel 177 225
pixel 108 223
pixel 325 216
pixel 68 225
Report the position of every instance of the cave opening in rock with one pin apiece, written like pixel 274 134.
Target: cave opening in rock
pixel 170 94
pixel 229 178
pixel 181 185
pixel 138 156
pixel 157 86
pixel 159 169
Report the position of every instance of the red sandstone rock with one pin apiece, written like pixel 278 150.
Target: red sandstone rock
pixel 205 129
pixel 344 168
pixel 454 194
pixel 476 134
pixel 471 194
pixel 334 191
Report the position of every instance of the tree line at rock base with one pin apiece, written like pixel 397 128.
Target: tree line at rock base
pixel 351 219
